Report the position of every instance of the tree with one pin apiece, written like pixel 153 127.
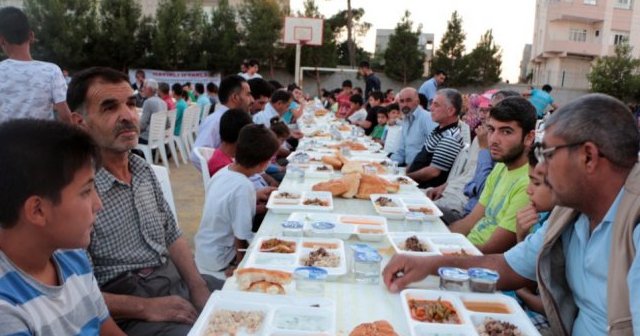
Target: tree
pixel 485 61
pixel 339 26
pixel 64 31
pixel 450 56
pixel 143 44
pixel 170 40
pixel 119 20
pixel 195 26
pixel 223 39
pixel 403 57
pixel 616 75
pixel 262 21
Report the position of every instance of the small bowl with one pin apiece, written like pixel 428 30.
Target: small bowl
pixel 483 280
pixel 452 278
pixel 310 279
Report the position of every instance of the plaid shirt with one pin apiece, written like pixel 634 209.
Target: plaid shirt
pixel 136 225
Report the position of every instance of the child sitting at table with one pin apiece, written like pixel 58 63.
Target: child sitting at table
pixel 357 113
pixel 230 125
pixel 378 131
pixel 48 204
pixel 230 203
pixel 283 132
pixel 528 220
pixel 393 131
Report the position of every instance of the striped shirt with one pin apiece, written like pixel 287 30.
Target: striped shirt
pixel 439 151
pixel 28 307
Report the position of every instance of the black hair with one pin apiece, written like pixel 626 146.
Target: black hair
pixel 347 83
pixel 281 96
pixel 356 99
pixel 253 62
pixel 80 82
pixel 187 84
pixel 177 89
pixel 381 110
pixel 365 64
pixel 358 90
pixel 377 95
pixel 387 92
pixel 39 157
pixel 424 102
pixel 140 72
pixel 547 88
pixel 276 85
pixel 229 86
pixel 256 145
pixel 199 88
pixel 164 88
pixel 185 95
pixel 533 159
pixel 14 25
pixel 231 123
pixel 440 72
pixel 516 109
pixel 393 106
pixel 278 127
pixel 260 88
pixel 212 87
pixel 292 87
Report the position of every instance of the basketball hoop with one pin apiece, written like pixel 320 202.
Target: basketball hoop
pixel 302 31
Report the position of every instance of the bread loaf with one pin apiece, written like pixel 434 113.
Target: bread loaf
pixel 377 328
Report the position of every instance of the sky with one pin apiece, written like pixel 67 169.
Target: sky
pixel 511 21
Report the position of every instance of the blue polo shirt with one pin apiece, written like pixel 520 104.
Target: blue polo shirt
pixel 416 127
pixel 587 264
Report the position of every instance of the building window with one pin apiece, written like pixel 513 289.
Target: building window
pixel 622 4
pixel 578 35
pixel 590 2
pixel 620 37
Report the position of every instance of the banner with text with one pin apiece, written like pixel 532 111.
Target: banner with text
pixel 172 77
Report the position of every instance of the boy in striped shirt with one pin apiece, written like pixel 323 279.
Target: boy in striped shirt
pixel 48 204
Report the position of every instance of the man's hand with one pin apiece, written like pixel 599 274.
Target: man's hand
pixel 403 270
pixel 262 195
pixel 436 193
pixel 199 296
pixel 228 272
pixel 169 309
pixel 526 218
pixel 482 134
pixel 261 208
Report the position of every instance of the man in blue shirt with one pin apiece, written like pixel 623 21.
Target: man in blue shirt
pixel 541 99
pixel 590 157
pixel 429 87
pixel 416 127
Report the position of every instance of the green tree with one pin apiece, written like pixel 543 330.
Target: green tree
pixel 450 55
pixel 118 20
pixel 195 26
pixel 403 57
pixel 64 31
pixel 339 28
pixel 171 39
pixel 143 44
pixel 262 21
pixel 616 75
pixel 485 61
pixel 223 39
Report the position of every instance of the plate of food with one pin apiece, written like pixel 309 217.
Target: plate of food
pixel 319 170
pixel 423 243
pixel 390 206
pixel 249 313
pixel 341 226
pixel 287 201
pixel 423 205
pixel 405 182
pixel 455 313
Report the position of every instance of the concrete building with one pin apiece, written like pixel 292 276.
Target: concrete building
pixel 14 3
pixel 570 34
pixel 425 42
pixel 149 7
pixel 524 64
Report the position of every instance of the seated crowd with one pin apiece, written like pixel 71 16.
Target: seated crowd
pixel 87 235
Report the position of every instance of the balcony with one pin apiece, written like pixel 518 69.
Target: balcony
pixel 572 47
pixel 575 11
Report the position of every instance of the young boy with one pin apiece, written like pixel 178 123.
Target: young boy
pixel 378 131
pixel 230 203
pixel 181 106
pixel 393 132
pixel 357 113
pixel 230 125
pixel 48 204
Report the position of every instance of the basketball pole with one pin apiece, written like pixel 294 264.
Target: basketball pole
pixel 297 71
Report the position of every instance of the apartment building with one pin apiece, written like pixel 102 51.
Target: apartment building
pixel 570 34
pixel 425 43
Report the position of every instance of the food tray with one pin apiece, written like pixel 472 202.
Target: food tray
pixel 312 170
pixel 437 243
pixel 408 184
pixel 312 312
pixel 290 261
pixel 469 319
pixel 392 212
pixel 313 156
pixel 344 225
pixel 416 202
pixel 281 205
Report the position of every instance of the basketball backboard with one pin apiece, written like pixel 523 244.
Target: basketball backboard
pixel 303 30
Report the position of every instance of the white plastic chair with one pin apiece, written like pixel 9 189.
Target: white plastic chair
pixel 204 112
pixel 165 183
pixel 204 154
pixel 156 138
pixel 171 115
pixel 168 137
pixel 185 129
pixel 195 123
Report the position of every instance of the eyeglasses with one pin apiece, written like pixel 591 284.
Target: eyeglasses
pixel 544 154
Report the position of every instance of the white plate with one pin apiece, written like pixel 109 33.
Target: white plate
pixel 422 201
pixel 470 319
pixel 284 206
pixel 410 184
pixel 438 243
pixel 312 171
pixel 274 307
pixel 345 225
pixel 290 261
pixel 395 212
pixel 398 239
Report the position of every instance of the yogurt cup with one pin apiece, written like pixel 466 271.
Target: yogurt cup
pixel 483 280
pixel 310 280
pixel 452 278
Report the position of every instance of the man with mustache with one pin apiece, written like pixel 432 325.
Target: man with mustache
pixel 491 225
pixel 416 127
pixel 143 265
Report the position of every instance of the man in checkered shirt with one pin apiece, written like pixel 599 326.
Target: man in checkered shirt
pixel 143 265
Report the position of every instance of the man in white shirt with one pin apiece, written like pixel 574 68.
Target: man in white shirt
pixel 46 87
pixel 278 105
pixel 252 70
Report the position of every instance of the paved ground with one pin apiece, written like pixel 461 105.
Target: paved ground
pixel 188 194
